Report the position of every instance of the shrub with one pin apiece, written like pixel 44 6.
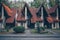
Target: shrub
pixel 39 29
pixel 7 28
pixel 42 28
pixel 19 29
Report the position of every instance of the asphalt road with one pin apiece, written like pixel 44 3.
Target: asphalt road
pixel 29 37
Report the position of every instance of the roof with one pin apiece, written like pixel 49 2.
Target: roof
pixel 52 9
pixel 20 11
pixel 11 19
pixel 20 17
pixel 50 19
pixel 8 10
pixel 49 11
pixel 35 18
pixel 33 11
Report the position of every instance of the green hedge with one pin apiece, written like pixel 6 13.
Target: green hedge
pixel 19 29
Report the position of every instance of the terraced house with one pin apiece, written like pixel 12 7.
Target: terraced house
pixel 29 16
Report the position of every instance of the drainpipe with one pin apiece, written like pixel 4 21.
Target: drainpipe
pixel 42 24
pixel 3 18
pixel 16 18
pixel 52 26
pixel 26 18
pixel 35 25
pixel 57 23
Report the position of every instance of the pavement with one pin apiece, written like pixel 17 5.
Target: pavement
pixel 29 36
pixel 51 31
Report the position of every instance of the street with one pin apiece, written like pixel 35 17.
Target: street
pixel 29 37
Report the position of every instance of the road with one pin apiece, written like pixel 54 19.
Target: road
pixel 28 37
